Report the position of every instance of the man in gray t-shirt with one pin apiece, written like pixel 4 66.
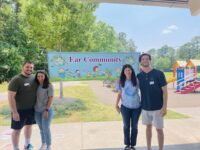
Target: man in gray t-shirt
pixel 22 98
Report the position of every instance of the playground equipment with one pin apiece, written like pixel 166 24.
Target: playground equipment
pixel 176 65
pixel 187 80
pixel 171 79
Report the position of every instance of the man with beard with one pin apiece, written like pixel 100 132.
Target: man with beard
pixel 153 88
pixel 22 98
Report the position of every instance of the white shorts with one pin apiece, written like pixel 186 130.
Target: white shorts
pixel 153 118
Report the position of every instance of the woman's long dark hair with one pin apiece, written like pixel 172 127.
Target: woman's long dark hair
pixel 123 77
pixel 46 80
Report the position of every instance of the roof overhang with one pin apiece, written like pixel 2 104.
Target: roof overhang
pixel 193 5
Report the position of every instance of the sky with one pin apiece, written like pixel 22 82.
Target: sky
pixel 151 27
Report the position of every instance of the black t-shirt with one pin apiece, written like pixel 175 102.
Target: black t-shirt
pixel 25 88
pixel 151 84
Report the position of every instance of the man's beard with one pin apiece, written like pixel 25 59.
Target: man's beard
pixel 27 73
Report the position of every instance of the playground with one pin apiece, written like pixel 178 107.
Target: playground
pixel 185 77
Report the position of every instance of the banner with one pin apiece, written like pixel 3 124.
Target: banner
pixel 89 65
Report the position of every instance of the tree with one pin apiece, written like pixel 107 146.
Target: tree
pixel 104 38
pixel 169 52
pixel 153 53
pixel 10 61
pixel 131 46
pixel 196 45
pixel 163 63
pixel 128 45
pixel 185 52
pixel 58 24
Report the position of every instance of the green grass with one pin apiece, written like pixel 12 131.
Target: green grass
pixel 198 75
pixel 168 74
pixel 85 108
pixel 3 87
pixel 83 78
pixel 93 111
pixel 175 115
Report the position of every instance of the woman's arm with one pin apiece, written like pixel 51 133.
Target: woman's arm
pixel 50 101
pixel 117 101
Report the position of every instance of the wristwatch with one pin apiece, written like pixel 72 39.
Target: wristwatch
pixel 46 109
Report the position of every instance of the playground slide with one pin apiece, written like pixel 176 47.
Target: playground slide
pixel 190 88
pixel 171 79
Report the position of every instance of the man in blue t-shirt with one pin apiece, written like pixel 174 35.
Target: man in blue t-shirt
pixel 153 87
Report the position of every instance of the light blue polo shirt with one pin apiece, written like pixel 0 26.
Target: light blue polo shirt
pixel 130 96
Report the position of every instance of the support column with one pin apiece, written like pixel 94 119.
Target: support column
pixel 194 6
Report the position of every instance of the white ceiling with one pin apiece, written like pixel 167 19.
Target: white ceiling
pixel 165 3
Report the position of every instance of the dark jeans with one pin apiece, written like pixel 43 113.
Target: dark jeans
pixel 130 117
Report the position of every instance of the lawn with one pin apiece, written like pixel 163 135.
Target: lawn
pixel 85 108
pixel 3 87
pixel 168 74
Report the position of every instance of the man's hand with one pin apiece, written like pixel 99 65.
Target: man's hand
pixel 163 111
pixel 15 116
pixel 117 108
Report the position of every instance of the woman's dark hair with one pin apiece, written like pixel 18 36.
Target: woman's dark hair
pixel 46 80
pixel 123 77
pixel 144 54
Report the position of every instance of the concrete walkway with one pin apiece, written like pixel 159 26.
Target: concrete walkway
pixel 182 134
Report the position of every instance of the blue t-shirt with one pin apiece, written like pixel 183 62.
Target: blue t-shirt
pixel 130 95
pixel 151 89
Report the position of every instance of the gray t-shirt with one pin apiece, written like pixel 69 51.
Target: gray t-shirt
pixel 43 97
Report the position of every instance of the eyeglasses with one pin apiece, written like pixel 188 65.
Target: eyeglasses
pixel 41 71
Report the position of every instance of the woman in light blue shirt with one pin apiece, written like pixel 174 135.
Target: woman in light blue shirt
pixel 43 108
pixel 130 105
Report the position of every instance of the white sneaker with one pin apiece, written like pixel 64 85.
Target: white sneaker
pixel 43 147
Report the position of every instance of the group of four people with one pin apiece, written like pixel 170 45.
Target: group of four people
pixel 30 99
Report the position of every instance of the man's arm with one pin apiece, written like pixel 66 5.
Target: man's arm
pixel 12 104
pixel 165 97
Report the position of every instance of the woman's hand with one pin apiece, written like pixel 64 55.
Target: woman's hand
pixel 45 114
pixel 117 108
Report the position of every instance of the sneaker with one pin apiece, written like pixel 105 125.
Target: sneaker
pixel 28 147
pixel 43 147
pixel 127 147
pixel 132 148
pixel 48 147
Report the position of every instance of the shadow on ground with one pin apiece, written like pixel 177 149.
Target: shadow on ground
pixel 192 146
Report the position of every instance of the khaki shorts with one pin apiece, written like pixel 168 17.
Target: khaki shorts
pixel 153 118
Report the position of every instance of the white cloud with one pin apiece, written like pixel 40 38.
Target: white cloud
pixel 166 31
pixel 173 27
pixel 169 29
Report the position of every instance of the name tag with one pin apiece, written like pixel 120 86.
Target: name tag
pixel 151 82
pixel 26 84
